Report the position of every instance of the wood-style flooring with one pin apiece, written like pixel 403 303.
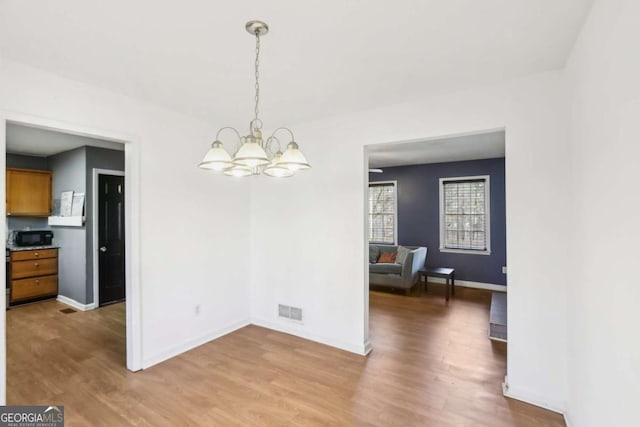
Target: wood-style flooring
pixel 431 365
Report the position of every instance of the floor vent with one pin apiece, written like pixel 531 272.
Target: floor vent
pixel 67 310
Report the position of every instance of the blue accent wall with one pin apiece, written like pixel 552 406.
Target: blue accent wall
pixel 419 211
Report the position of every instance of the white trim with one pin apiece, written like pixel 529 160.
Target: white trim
pixel 395 211
pixel 75 304
pixel 190 344
pixel 487 210
pixel 526 396
pixel 94 202
pixel 567 420
pixel 465 251
pixel 366 344
pixel 3 279
pixel 132 226
pixel 367 347
pixel 470 284
pixel 361 349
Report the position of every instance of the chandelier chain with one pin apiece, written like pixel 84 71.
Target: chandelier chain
pixel 257 64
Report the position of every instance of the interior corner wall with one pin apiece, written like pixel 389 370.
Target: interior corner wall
pixel 192 224
pixel 68 172
pixel 309 231
pixel 604 292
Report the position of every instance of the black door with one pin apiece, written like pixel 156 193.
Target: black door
pixel 111 238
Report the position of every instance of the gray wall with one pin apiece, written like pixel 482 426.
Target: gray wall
pixel 27 162
pixel 97 158
pixel 69 174
pixel 419 215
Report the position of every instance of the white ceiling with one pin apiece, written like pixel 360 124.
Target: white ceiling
pixel 453 149
pixel 320 58
pixel 41 142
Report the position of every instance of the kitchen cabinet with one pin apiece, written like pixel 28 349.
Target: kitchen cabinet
pixel 34 275
pixel 28 192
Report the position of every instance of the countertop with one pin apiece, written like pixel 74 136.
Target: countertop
pixel 30 248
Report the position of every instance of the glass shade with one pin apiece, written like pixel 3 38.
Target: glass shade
pixel 251 154
pixel 216 158
pixel 293 158
pixel 238 171
pixel 276 170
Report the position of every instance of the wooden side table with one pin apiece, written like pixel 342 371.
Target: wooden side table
pixel 449 274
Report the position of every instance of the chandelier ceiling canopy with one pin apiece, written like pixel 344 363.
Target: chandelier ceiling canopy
pixel 254 155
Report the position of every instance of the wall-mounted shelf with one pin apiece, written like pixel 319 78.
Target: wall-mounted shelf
pixel 66 221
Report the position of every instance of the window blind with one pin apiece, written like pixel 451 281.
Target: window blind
pixel 382 213
pixel 464 216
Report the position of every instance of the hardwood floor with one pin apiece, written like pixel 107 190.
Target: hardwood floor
pixel 431 365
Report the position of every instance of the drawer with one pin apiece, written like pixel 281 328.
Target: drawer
pixel 35 254
pixel 36 287
pixel 34 267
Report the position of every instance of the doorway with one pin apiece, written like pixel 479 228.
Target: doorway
pixel 109 236
pixel 443 200
pixel 132 306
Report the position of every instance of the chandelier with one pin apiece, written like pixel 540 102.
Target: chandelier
pixel 254 155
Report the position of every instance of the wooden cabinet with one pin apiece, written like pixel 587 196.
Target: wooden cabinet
pixel 34 275
pixel 28 192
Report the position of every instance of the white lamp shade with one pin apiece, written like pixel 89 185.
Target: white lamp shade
pixel 216 158
pixel 251 154
pixel 238 171
pixel 293 158
pixel 276 170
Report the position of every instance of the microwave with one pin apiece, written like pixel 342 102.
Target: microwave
pixel 33 238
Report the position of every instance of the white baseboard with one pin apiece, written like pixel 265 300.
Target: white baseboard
pixel 508 390
pixel 469 284
pixel 192 343
pixel 566 420
pixel 75 304
pixel 361 349
pixel 367 347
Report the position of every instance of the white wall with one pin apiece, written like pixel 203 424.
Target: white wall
pixel 308 232
pixel 604 293
pixel 192 224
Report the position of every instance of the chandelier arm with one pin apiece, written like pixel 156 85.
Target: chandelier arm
pixel 285 129
pixel 268 143
pixel 238 143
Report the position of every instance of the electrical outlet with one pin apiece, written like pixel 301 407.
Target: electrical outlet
pixel 504 270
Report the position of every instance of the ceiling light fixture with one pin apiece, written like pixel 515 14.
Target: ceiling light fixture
pixel 253 155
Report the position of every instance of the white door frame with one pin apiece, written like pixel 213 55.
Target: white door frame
pixel 132 228
pixel 96 216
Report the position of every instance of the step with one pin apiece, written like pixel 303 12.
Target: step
pixel 498 317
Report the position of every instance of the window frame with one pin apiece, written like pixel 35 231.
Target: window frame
pixel 487 209
pixel 395 211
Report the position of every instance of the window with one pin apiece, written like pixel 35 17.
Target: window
pixel 464 215
pixel 383 222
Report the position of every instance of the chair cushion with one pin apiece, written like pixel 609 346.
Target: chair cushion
pixel 387 257
pixel 374 253
pixel 403 253
pixel 385 268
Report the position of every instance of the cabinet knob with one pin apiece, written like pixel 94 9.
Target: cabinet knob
pixel 36 264
pixel 37 282
pixel 36 254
